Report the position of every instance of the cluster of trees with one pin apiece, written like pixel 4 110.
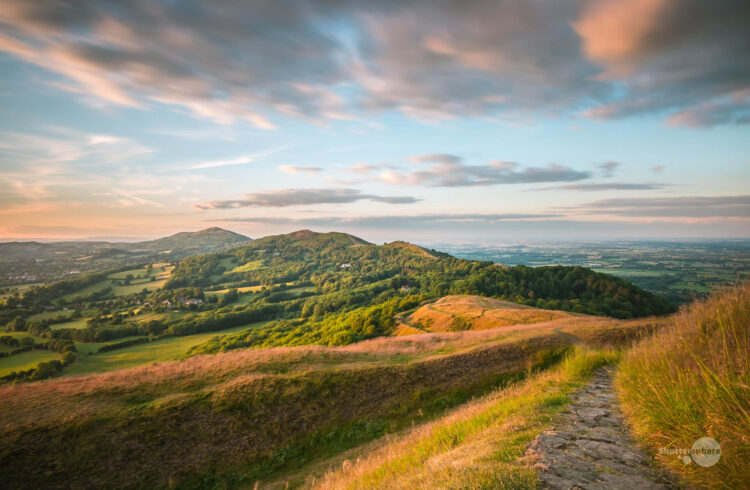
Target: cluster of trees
pixel 123 344
pixel 43 370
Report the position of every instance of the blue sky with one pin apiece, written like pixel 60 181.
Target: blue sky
pixel 503 120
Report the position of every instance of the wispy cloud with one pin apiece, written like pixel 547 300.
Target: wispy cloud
pixel 293 169
pixel 302 197
pixel 608 168
pixel 240 160
pixel 43 166
pixel 608 186
pixel 673 207
pixel 444 170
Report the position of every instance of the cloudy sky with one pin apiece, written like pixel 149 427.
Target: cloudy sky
pixel 433 121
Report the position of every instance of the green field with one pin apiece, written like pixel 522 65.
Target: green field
pixel 84 348
pixel 629 272
pixel 168 349
pixel 11 290
pixel 48 315
pixel 18 335
pixel 138 273
pixel 25 360
pixel 79 323
pixel 250 266
pixel 136 285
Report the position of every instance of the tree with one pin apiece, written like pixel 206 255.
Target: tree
pixel 69 358
pixel 18 324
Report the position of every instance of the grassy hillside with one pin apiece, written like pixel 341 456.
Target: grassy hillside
pixel 453 313
pixel 479 445
pixel 203 241
pixel 304 288
pixel 26 262
pixel 692 380
pixel 231 419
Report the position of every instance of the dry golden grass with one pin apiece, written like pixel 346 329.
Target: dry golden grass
pixel 692 380
pixel 477 313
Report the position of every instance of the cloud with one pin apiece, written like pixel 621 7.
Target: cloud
pixel 608 168
pixel 493 228
pixel 362 168
pixel 449 171
pixel 469 221
pixel 293 170
pixel 223 62
pixel 441 158
pixel 320 60
pixel 687 58
pixel 613 186
pixel 45 166
pixel 302 197
pixel 674 207
pixel 240 160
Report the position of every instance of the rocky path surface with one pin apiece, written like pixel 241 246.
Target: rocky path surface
pixel 590 447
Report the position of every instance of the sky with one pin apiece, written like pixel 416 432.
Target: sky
pixel 428 121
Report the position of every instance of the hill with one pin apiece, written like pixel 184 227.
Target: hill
pixel 33 262
pixel 295 289
pixel 190 243
pixel 455 313
pixel 233 418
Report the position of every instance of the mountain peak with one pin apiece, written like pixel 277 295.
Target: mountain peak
pixel 213 229
pixel 303 233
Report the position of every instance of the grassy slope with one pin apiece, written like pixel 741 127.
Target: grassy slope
pixel 477 445
pixel 167 349
pixel 235 417
pixel 26 360
pixel 141 280
pixel 693 380
pixel 477 313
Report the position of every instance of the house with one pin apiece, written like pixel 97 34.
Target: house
pixel 166 302
pixel 346 266
pixel 194 301
pixel 405 289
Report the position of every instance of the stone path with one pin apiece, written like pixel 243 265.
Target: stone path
pixel 590 447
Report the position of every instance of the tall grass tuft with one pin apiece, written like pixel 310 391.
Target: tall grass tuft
pixel 692 380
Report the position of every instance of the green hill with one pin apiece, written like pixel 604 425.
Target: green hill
pixel 25 262
pixel 185 243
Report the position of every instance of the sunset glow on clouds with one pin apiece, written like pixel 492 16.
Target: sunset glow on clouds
pixel 414 120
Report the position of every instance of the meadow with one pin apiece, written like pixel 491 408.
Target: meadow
pixel 168 349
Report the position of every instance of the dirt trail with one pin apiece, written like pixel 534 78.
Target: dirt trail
pixel 590 447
